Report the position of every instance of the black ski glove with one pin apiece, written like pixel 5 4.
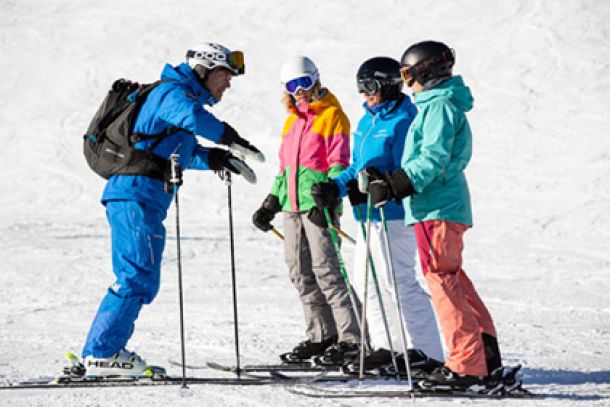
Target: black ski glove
pixel 382 188
pixel 264 215
pixel 240 145
pixel 400 184
pixel 316 216
pixel 220 159
pixel 326 194
pixel 353 192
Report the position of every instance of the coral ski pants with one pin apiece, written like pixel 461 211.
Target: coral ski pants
pixel 461 313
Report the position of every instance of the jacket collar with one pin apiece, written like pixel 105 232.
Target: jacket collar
pixel 317 106
pixel 387 110
pixel 184 74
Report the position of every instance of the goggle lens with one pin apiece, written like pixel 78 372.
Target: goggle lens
pixel 368 86
pixel 304 82
pixel 406 72
pixel 237 61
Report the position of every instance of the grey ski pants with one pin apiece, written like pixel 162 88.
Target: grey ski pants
pixel 314 270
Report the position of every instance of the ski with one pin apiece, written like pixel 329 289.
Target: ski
pixel 317 391
pixel 69 382
pixel 284 367
pixel 273 374
pixel 504 385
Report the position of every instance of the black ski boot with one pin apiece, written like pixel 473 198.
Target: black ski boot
pixel 421 365
pixel 339 354
pixel 443 377
pixel 492 353
pixel 419 362
pixel 372 360
pixel 304 351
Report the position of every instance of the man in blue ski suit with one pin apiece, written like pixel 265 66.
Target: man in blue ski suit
pixel 137 205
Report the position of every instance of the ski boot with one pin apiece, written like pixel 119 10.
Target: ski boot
pixel 443 378
pixel 420 365
pixel 304 351
pixel 418 361
pixel 339 354
pixel 122 364
pixel 373 360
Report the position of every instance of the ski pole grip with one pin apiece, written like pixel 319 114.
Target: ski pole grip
pixel 226 177
pixel 176 178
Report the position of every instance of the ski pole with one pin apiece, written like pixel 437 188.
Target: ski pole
pixel 333 237
pixel 345 235
pixel 227 179
pixel 278 234
pixel 378 291
pixel 176 181
pixel 399 315
pixel 365 288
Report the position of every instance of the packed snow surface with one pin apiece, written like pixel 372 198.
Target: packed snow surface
pixel 539 253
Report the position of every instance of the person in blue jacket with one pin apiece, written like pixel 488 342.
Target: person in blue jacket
pixel 379 142
pixel 432 181
pixel 137 205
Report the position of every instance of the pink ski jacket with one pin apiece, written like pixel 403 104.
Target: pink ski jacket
pixel 315 146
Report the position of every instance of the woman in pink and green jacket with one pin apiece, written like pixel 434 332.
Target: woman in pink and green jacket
pixel 315 146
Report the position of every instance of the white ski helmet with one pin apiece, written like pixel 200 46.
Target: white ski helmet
pixel 211 56
pixel 297 67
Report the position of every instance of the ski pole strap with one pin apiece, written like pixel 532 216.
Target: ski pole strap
pixel 278 234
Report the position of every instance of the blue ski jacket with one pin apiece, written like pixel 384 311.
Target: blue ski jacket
pixel 176 103
pixel 437 150
pixel 379 142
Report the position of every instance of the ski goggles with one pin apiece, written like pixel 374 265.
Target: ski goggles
pixel 234 60
pixel 406 72
pixel 368 86
pixel 304 82
pixel 237 61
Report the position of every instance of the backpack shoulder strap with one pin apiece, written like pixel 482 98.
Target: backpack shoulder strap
pixel 160 136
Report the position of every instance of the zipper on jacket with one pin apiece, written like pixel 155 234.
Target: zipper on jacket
pixel 367 135
pixel 296 170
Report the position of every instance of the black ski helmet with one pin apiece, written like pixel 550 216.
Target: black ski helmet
pixel 380 73
pixel 428 60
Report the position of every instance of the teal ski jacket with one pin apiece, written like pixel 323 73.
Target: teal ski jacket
pixel 437 150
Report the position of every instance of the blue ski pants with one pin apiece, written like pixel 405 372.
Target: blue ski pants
pixel 138 240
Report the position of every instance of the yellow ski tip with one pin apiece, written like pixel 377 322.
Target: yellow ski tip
pixel 71 356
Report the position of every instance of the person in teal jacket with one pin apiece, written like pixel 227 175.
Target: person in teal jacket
pixel 437 203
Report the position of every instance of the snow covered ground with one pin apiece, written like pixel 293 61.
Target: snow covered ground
pixel 539 252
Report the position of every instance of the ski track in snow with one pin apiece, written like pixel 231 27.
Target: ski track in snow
pixel 539 253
